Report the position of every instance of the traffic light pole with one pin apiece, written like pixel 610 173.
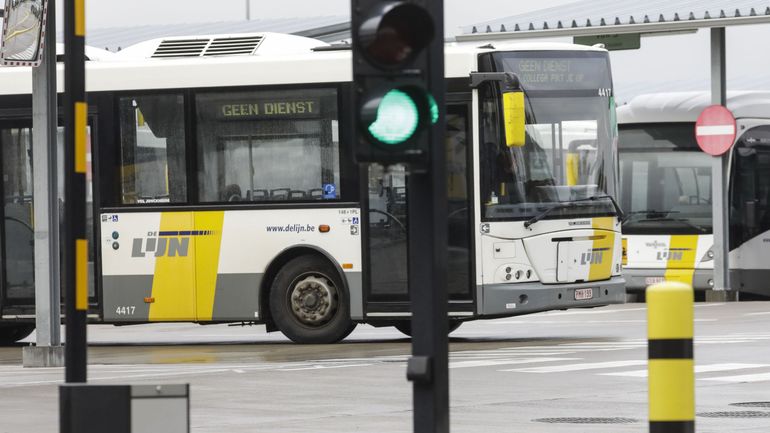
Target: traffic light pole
pixel 427 195
pixel 75 247
pixel 399 99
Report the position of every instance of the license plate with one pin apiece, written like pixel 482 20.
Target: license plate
pixel 653 280
pixel 583 294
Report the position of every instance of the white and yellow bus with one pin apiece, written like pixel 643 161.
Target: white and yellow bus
pixel 666 192
pixel 225 190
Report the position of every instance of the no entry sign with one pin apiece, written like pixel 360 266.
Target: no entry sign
pixel 715 130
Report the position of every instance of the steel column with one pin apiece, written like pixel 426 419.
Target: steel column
pixel 45 191
pixel 720 204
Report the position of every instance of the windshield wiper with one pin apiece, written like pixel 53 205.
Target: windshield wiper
pixel 571 203
pixel 677 220
pixel 649 212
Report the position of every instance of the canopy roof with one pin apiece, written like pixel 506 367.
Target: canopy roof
pixel 595 17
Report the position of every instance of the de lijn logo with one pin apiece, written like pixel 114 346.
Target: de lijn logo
pixel 594 256
pixel 675 254
pixel 166 244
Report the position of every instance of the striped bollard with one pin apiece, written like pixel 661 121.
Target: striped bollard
pixel 670 352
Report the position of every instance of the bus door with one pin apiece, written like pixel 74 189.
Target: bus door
pixel 387 234
pixel 17 288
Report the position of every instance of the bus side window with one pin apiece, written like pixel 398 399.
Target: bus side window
pixel 272 145
pixel 152 149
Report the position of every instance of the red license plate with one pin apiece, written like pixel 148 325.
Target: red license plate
pixel 583 294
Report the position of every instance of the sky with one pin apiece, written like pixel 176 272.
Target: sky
pixel 664 63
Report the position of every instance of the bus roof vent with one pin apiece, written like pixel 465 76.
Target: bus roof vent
pixel 207 47
pixel 245 45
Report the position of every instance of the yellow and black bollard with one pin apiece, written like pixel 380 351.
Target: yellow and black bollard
pixel 670 352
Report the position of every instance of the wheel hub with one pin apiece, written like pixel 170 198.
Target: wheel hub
pixel 314 300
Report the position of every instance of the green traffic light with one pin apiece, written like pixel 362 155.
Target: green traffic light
pixel 397 118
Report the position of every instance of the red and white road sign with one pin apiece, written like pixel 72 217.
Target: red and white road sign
pixel 715 130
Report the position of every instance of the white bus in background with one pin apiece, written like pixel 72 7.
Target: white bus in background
pixel 666 192
pixel 224 189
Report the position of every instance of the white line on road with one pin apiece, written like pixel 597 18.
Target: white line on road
pixel 323 367
pixel 741 378
pixel 578 367
pixel 490 363
pixel 698 369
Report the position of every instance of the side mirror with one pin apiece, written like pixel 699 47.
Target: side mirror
pixel 514 118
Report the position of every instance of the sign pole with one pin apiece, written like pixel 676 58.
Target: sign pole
pixel 719 169
pixel 75 246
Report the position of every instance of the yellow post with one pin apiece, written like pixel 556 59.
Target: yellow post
pixel 670 352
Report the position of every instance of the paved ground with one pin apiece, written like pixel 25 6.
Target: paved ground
pixel 505 374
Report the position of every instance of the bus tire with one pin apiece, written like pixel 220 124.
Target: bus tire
pixel 309 303
pixel 406 327
pixel 10 334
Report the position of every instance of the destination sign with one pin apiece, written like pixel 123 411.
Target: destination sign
pixel 554 73
pixel 269 109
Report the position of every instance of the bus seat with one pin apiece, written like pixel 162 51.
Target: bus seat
pixel 280 193
pixel 316 193
pixel 257 194
pixel 296 193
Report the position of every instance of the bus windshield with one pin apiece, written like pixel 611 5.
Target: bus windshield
pixel 570 137
pixel 665 180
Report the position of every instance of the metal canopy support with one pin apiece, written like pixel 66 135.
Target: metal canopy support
pixel 48 351
pixel 719 176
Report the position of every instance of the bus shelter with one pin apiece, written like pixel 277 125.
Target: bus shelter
pixel 621 25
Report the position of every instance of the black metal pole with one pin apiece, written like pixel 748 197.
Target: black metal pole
pixel 75 247
pixel 427 193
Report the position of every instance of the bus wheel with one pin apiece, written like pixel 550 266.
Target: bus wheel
pixel 10 334
pixel 406 326
pixel 308 302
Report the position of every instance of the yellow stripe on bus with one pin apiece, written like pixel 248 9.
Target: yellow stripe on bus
pixel 173 285
pixel 81 116
pixel 603 244
pixel 207 261
pixel 81 274
pixel 680 265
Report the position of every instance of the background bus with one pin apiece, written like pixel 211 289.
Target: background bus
pixel 224 188
pixel 666 192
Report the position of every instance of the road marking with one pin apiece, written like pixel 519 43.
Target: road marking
pixel 322 367
pixel 491 363
pixel 760 313
pixel 698 369
pixel 578 367
pixel 741 378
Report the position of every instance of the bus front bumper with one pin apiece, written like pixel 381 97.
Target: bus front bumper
pixel 525 298
pixel 639 279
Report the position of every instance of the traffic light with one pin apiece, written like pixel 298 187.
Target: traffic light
pixel 393 44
